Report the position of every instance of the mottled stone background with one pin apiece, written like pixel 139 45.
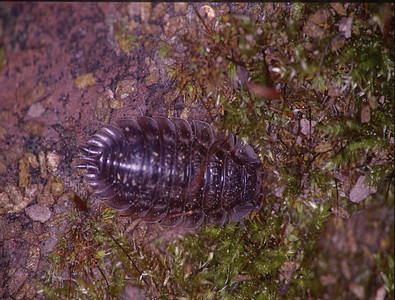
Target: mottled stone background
pixel 64 72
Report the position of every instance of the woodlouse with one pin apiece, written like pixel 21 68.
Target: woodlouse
pixel 173 171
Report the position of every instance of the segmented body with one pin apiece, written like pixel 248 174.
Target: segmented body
pixel 172 171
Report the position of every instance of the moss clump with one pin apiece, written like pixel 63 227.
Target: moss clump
pixel 311 88
pixel 88 262
pixel 313 93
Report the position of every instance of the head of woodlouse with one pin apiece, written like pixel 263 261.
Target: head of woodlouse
pixel 173 171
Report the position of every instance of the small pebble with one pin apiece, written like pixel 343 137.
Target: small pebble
pixel 359 192
pixel 38 213
pixel 85 80
pixel 53 160
pixel 57 188
pixel 17 278
pixel 35 110
pixel 35 94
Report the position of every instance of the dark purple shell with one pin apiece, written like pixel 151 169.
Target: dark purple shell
pixel 172 171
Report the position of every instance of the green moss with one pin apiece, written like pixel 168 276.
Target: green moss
pixel 227 263
pixel 87 262
pixel 344 140
pixel 260 80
